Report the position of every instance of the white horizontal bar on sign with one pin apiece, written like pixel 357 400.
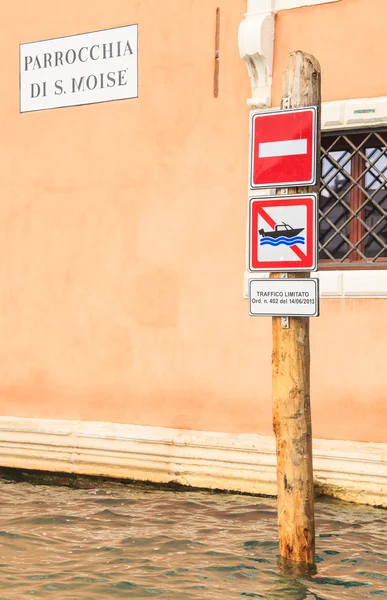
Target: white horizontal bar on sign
pixel 285 148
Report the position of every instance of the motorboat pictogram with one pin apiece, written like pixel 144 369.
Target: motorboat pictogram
pixel 282 230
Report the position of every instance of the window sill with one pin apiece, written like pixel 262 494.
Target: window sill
pixel 341 284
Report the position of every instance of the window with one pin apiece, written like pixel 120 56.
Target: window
pixel 353 200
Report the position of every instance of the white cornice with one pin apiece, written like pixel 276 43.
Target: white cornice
pixel 260 6
pixel 274 5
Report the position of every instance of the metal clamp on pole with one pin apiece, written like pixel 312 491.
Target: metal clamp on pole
pixel 286 103
pixel 284 320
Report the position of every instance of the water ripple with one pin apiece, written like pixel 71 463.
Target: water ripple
pixel 133 542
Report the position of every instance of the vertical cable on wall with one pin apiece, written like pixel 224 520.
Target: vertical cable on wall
pixel 216 66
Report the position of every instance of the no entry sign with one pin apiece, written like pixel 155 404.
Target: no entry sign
pixel 283 233
pixel 283 148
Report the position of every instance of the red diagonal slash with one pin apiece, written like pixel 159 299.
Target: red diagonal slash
pixel 272 224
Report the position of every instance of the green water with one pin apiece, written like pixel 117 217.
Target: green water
pixel 128 542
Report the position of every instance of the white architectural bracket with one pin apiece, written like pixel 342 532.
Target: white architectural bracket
pixel 256 47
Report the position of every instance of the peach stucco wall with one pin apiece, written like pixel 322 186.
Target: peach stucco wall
pixel 122 236
pixel 347 37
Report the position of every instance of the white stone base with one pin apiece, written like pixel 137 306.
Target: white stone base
pixel 352 471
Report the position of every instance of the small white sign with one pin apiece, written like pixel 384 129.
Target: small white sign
pixel 79 69
pixel 284 297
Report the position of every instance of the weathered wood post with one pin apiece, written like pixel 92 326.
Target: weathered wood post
pixel 291 370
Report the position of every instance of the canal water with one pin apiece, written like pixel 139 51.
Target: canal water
pixel 135 542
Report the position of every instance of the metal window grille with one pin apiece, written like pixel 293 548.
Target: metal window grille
pixel 353 200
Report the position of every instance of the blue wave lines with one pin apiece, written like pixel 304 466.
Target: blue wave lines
pixel 268 241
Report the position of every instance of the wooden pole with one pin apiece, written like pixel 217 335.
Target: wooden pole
pixel 291 370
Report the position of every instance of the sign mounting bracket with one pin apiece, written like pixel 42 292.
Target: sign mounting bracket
pixel 284 320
